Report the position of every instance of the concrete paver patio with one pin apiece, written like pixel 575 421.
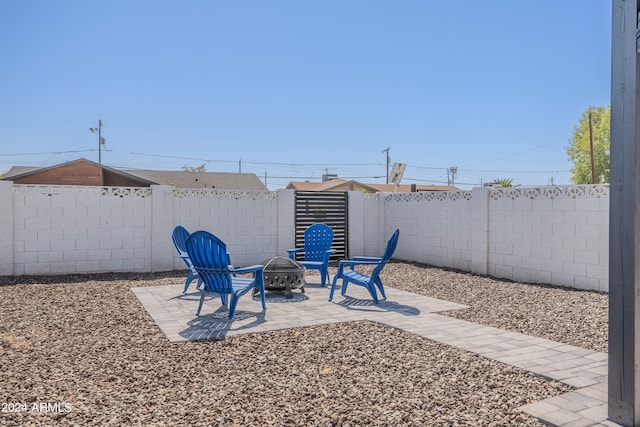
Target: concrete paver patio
pixel 586 370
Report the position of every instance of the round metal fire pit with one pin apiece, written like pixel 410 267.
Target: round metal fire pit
pixel 282 273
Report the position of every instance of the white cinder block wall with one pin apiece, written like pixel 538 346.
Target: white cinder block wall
pixel 58 230
pixel 6 228
pixel 366 225
pixel 64 230
pixel 435 227
pixel 255 225
pixel 555 235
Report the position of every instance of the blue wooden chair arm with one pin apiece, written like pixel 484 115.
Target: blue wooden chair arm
pixel 258 271
pixel 185 257
pixel 354 262
pixel 367 258
pixel 327 255
pixel 249 269
pixel 292 252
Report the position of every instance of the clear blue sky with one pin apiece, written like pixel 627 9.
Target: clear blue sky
pixel 294 89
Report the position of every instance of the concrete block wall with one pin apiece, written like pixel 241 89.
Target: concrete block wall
pixel 255 225
pixel 78 229
pixel 366 225
pixel 435 227
pixel 59 230
pixel 557 235
pixel 6 228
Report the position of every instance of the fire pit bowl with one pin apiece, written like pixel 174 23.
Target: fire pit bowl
pixel 282 273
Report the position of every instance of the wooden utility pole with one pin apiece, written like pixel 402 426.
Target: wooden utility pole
pixel 452 172
pixel 388 159
pixel 593 163
pixel 101 140
pixel 624 219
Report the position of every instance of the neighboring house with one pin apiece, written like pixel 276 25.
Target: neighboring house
pixel 86 172
pixel 338 184
pixel 214 180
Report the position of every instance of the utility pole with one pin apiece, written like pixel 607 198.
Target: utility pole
pixel 101 140
pixel 388 160
pixel 451 175
pixel 240 166
pixel 593 163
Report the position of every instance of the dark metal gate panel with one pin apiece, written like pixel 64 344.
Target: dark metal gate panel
pixel 327 207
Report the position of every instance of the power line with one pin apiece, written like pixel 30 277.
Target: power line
pixel 518 153
pixel 253 162
pixel 368 174
pixel 516 171
pixel 178 158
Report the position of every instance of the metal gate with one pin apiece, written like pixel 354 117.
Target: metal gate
pixel 327 207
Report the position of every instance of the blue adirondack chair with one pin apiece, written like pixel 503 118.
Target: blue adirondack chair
pixel 179 236
pixel 318 239
pixel 347 271
pixel 210 259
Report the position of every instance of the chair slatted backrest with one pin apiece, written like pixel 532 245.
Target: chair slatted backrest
pixel 388 252
pixel 179 236
pixel 209 257
pixel 318 239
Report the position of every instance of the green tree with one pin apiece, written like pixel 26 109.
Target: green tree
pixel 579 150
pixel 504 182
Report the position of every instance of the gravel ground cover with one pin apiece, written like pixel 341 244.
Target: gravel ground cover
pixel 85 352
pixel 565 315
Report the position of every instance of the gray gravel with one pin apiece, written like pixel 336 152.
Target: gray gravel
pixel 87 342
pixel 565 315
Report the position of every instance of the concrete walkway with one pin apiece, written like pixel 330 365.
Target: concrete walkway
pixel 586 370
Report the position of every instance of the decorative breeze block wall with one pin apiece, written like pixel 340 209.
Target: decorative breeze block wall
pixel 435 227
pixel 60 229
pixel 247 221
pixel 556 235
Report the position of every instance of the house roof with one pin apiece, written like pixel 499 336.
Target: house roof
pixel 333 184
pixel 339 184
pixel 182 179
pixel 20 171
pixel 215 180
